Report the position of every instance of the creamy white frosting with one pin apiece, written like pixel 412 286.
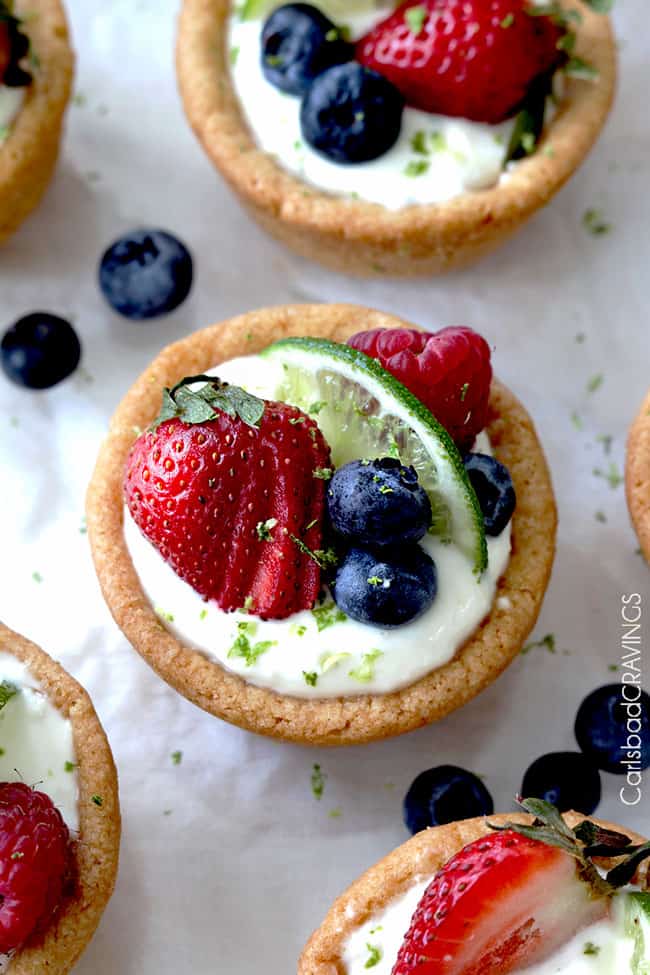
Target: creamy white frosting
pixel 382 936
pixel 11 101
pixel 36 743
pixel 464 155
pixel 389 659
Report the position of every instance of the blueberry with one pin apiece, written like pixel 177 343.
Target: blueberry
pixel 386 588
pixel 612 721
pixel 378 502
pixel 566 779
pixel 443 795
pixel 146 273
pixel 351 114
pixel 299 43
pixel 494 490
pixel 40 350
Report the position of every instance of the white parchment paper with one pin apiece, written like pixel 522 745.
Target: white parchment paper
pixel 228 861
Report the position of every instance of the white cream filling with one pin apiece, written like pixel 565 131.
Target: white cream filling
pixel 11 101
pixel 609 949
pixel 36 743
pixel 349 657
pixel 463 155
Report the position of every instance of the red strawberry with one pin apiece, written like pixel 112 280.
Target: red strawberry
pixel 478 59
pixel 449 371
pixel 231 491
pixel 5 48
pixel 34 859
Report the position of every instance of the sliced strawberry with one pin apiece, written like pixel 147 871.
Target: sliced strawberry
pixel 469 58
pixel 232 501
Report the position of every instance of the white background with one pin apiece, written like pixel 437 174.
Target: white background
pixel 241 870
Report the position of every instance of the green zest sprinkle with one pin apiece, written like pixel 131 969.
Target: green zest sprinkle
pixel 97 800
pixel 69 766
pixel 612 475
pixel 203 615
pixel 548 642
pixel 234 54
pixel 379 926
pixel 419 143
pixel 249 652
pixel 311 677
pixel 384 489
pixel 7 691
pixel 335 813
pixel 248 604
pixel 17 855
pixel 37 577
pixel 317 406
pixel 169 617
pixel 322 557
pixel 329 661
pixel 177 758
pixel 327 616
pixel 323 473
pixel 365 672
pixel 576 420
pixel 4 132
pixel 594 222
pixel 591 949
pixel 601 517
pixel 595 383
pixel 415 18
pixel 375 955
pixel 416 167
pixel 508 21
pixel 318 778
pixel 375 581
pixel 463 392
pixel 606 440
pixel 264 529
pixel 297 629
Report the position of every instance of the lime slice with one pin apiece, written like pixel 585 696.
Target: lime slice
pixel 334 9
pixel 637 926
pixel 364 412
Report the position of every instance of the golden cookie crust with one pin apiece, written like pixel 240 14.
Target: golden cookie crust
pixel 29 153
pixel 96 850
pixel 421 856
pixel 637 476
pixel 363 238
pixel 337 721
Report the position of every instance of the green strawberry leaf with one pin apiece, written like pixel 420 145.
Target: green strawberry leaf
pixel 201 405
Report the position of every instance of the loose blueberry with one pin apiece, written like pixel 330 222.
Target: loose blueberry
pixel 299 43
pixel 493 486
pixel 612 721
pixel 385 588
pixel 568 780
pixel 145 274
pixel 40 350
pixel 443 795
pixel 351 114
pixel 378 502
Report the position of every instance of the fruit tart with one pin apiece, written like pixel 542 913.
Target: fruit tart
pixel 395 138
pixel 59 813
pixel 637 476
pixel 36 68
pixel 538 893
pixel 291 538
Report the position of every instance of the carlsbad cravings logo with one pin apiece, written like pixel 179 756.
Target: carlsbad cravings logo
pixel 631 702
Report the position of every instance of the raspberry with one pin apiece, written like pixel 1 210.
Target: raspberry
pixel 34 859
pixel 449 371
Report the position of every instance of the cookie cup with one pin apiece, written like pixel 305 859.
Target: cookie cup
pixel 367 239
pixel 96 847
pixel 419 858
pixel 29 153
pixel 344 720
pixel 637 476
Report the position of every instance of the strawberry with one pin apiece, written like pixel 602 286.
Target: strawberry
pixel 449 371
pixel 231 491
pixel 5 48
pixel 34 861
pixel 478 59
pixel 511 898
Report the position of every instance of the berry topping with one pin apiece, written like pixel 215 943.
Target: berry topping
pixel 378 502
pixel 568 780
pixel 449 371
pixel 351 114
pixel 14 46
pixel 145 274
pixel 511 898
pixel 387 587
pixel 444 795
pixel 493 486
pixel 40 350
pixel 34 858
pixel 613 727
pixel 231 491
pixel 299 43
pixel 464 58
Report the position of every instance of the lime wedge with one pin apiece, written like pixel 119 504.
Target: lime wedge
pixel 364 412
pixel 334 9
pixel 637 926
